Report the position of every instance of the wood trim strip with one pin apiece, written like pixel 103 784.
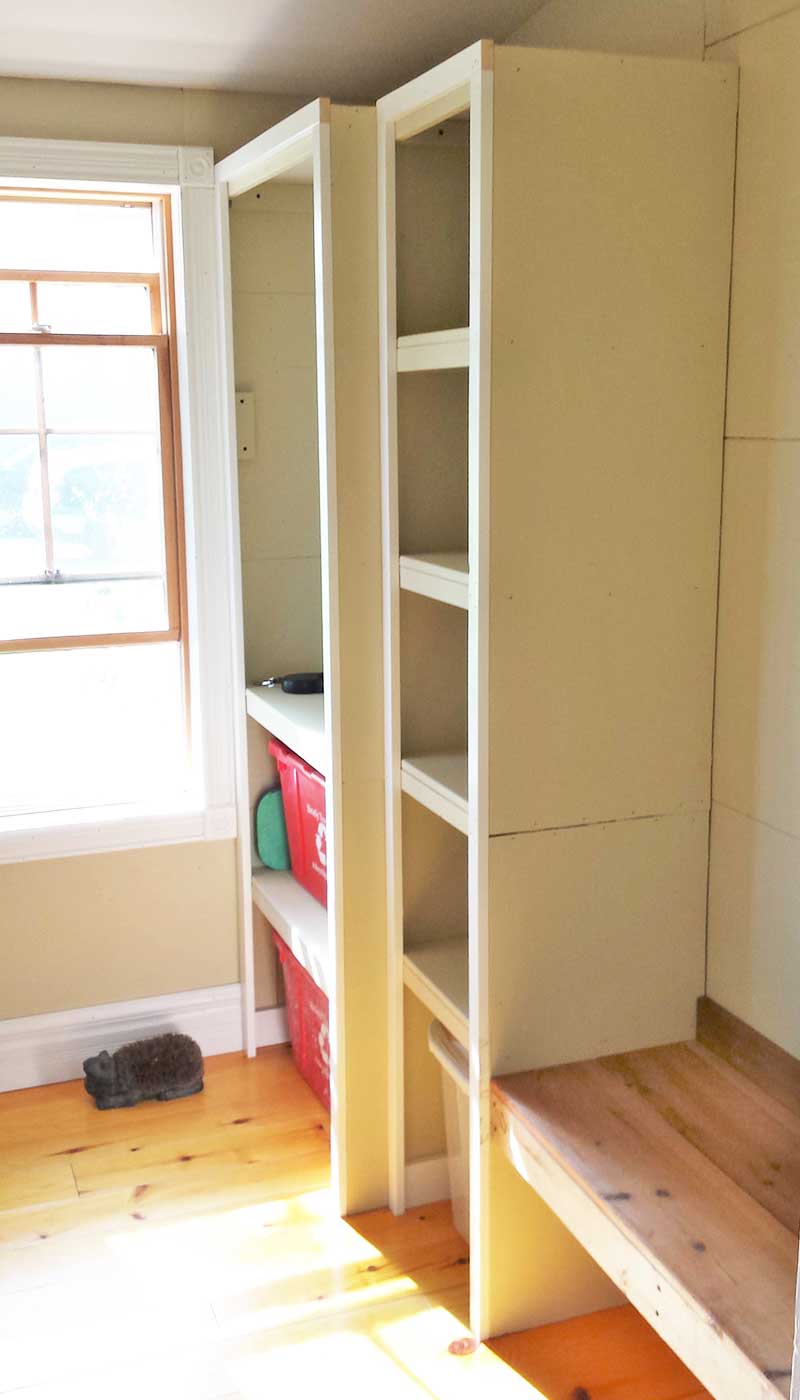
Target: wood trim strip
pixel 29 274
pixel 760 1060
pixel 106 639
pixel 152 342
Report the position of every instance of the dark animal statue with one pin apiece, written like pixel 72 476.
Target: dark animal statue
pixel 163 1067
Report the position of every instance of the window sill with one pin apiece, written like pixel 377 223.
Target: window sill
pixel 95 830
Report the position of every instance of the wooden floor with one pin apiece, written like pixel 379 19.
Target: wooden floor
pixel 190 1250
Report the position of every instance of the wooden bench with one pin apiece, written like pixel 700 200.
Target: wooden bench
pixel 678 1169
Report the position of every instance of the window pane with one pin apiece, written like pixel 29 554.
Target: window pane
pixel 116 734
pixel 76 237
pixel 101 308
pixel 17 401
pixel 82 609
pixel 100 387
pixel 15 305
pixel 107 504
pixel 21 530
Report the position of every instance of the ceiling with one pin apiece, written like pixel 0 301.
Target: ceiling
pixel 346 49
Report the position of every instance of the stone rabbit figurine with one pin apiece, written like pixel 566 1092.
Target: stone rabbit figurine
pixel 168 1066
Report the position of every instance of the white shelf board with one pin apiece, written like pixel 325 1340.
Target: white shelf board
pixel 443 577
pixel 438 973
pixel 297 720
pixel 439 782
pixel 435 350
pixel 301 921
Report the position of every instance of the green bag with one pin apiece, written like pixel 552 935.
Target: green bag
pixel 271 840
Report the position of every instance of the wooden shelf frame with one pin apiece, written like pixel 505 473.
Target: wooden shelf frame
pixel 462 84
pixel 331 149
pixel 581 872
pixel 680 1175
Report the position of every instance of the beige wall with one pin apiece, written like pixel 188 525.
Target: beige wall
pixel 754 909
pixel 92 929
pixel 85 930
pixel 671 28
pixel 121 112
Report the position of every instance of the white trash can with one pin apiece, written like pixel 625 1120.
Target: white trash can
pixel 455 1091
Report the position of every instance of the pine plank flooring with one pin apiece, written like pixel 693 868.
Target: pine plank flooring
pixel 191 1250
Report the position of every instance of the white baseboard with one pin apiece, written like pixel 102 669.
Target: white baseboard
pixel 51 1048
pixel 427 1180
pixel 272 1027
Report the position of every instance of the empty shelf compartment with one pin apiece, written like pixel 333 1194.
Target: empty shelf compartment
pixel 681 1177
pixel 438 973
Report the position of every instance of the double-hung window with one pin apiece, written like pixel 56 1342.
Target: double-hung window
pixel 93 642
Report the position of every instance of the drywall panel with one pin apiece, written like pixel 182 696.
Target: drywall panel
pixel 279 486
pixel 553 1277
pixel 432 455
pixel 268 984
pixel 765 328
pixel 756 738
pixel 432 175
pixel 272 261
pixel 434 877
pixel 728 17
pixel 86 930
pixel 608 374
pixel 433 670
pixel 670 28
pixel 283 617
pixel 125 112
pixel 753 918
pixel 597 939
pixel 424 1106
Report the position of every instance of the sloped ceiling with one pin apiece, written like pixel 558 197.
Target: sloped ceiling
pixel 346 49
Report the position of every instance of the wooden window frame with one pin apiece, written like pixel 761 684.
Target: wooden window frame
pixel 162 340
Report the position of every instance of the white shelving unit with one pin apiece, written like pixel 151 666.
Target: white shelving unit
pixel 442 577
pixel 564 497
pixel 297 720
pixel 280 199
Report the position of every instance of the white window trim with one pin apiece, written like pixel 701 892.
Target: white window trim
pixel 186 173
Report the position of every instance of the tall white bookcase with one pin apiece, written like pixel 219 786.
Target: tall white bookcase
pixel 554 260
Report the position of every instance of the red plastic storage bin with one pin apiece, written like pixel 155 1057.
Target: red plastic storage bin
pixel 307 1013
pixel 303 790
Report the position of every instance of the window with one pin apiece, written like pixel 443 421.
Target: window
pixel 89 499
pixel 93 638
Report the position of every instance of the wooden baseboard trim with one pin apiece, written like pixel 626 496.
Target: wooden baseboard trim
pixel 760 1060
pixel 51 1048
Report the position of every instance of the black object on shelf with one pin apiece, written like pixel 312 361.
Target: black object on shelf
pixel 300 683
